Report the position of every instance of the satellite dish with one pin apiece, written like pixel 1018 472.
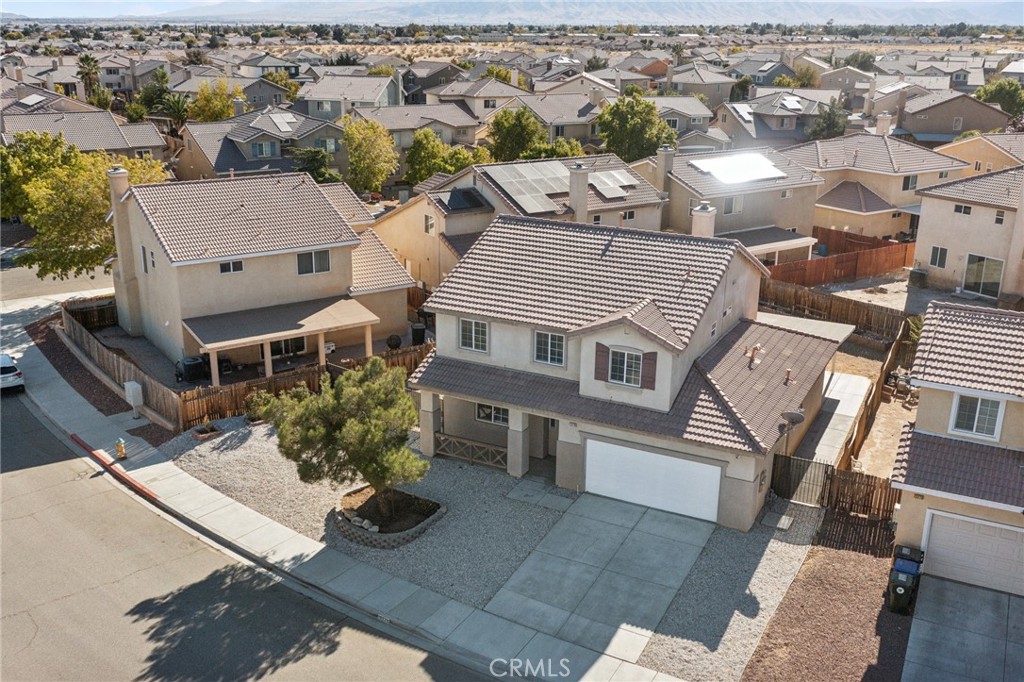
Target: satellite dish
pixel 793 417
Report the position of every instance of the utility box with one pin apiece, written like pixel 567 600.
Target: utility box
pixel 133 396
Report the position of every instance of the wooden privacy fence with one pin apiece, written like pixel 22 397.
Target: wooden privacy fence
pixel 472 451
pixel 416 297
pixel 822 485
pixel 93 313
pixel 119 369
pixel 221 402
pixel 844 267
pixel 803 302
pixel 840 241
pixel 408 358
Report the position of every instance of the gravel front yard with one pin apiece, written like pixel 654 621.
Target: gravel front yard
pixel 467 555
pixel 714 623
pixel 833 625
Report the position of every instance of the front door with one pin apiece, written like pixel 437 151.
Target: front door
pixel 550 437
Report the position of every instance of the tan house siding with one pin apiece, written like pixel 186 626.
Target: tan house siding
pixel 881 225
pixel 982 155
pixel 940 118
pixel 192 163
pixel 910 519
pixel 759 209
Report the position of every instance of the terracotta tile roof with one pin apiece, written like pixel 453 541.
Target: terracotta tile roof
pixel 959 467
pixel 565 275
pixel 88 130
pixel 431 183
pixel 854 197
pixel 416 116
pixel 350 206
pixel 1011 143
pixel 375 268
pixel 1000 189
pixel 645 317
pixel 874 153
pixel 970 347
pixel 707 185
pixel 229 217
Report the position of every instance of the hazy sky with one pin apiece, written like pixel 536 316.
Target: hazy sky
pixel 112 8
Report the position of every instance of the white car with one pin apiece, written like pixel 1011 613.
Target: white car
pixel 10 375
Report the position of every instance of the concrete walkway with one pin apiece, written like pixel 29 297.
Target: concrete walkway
pixel 464 631
pixel 843 400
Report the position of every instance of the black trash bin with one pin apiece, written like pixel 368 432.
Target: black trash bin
pixel 904 552
pixel 901 591
pixel 419 334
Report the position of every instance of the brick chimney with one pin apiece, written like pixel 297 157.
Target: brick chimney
pixel 126 283
pixel 703 220
pixel 579 176
pixel 665 157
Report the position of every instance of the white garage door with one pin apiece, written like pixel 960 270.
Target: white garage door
pixel 647 478
pixel 978 553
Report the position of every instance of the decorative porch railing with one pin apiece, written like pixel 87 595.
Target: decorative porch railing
pixel 472 451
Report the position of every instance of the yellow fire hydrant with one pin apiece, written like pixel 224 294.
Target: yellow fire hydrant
pixel 121 454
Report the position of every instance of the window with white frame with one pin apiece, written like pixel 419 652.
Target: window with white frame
pixel 724 118
pixel 559 131
pixel 490 103
pixel 909 182
pixel 696 120
pixel 328 144
pixel 784 122
pixel 428 224
pixel 1000 217
pixel 264 149
pixel 549 348
pixel 231 266
pixel 629 215
pixel 733 205
pixel 473 335
pixel 597 219
pixel 312 262
pixel 961 209
pixel 624 367
pixel 938 258
pixel 943 175
pixel 492 414
pixel 673 123
pixel 988 167
pixel 977 415
pixel 787 193
pixel 958 123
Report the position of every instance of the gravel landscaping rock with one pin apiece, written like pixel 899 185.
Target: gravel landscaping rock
pixel 716 619
pixel 467 555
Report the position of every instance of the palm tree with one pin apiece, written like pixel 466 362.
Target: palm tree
pixel 175 107
pixel 89 72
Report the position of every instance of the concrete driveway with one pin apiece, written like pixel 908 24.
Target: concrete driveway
pixel 604 575
pixel 962 632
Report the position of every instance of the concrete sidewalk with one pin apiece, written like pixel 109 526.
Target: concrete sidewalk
pixel 464 631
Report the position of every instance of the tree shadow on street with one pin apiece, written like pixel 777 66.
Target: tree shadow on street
pixel 235 624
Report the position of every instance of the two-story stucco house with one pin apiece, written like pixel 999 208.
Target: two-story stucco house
pixel 632 358
pixel 90 131
pixel 987 152
pixel 571 115
pixel 433 231
pixel 252 268
pixel 259 92
pixel 700 79
pixel 424 75
pixel 259 141
pixel 778 120
pixel 961 464
pixel 941 117
pixel 972 236
pixel 756 196
pixel 332 97
pixel 871 182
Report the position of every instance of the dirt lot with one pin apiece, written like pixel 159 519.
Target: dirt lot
pixel 860 360
pixel 878 453
pixel 833 624
pixel 894 292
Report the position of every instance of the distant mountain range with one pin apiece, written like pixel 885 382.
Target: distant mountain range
pixel 639 12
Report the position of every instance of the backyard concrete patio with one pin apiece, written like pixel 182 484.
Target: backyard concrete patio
pixel 843 401
pixel 604 575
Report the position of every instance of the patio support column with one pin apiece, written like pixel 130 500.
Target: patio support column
pixel 430 421
pixel 518 443
pixel 214 369
pixel 368 339
pixel 321 353
pixel 268 362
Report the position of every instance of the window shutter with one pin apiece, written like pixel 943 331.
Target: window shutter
pixel 601 363
pixel 649 371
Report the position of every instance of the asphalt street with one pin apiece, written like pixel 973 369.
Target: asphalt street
pixel 96 586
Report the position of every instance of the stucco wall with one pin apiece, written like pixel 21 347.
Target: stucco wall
pixel 910 519
pixel 960 235
pixel 159 296
pixel 980 153
pixel 759 209
pixel 871 225
pixel 192 163
pixel 936 408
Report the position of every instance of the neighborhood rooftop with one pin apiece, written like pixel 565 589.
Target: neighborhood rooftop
pixel 975 348
pixel 1001 189
pixel 566 275
pixel 779 172
pixel 87 130
pixel 872 153
pixel 231 217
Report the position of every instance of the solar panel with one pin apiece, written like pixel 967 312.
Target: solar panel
pixel 737 168
pixel 792 103
pixel 744 112
pixel 31 100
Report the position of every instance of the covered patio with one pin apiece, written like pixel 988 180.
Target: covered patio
pixel 773 245
pixel 262 327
